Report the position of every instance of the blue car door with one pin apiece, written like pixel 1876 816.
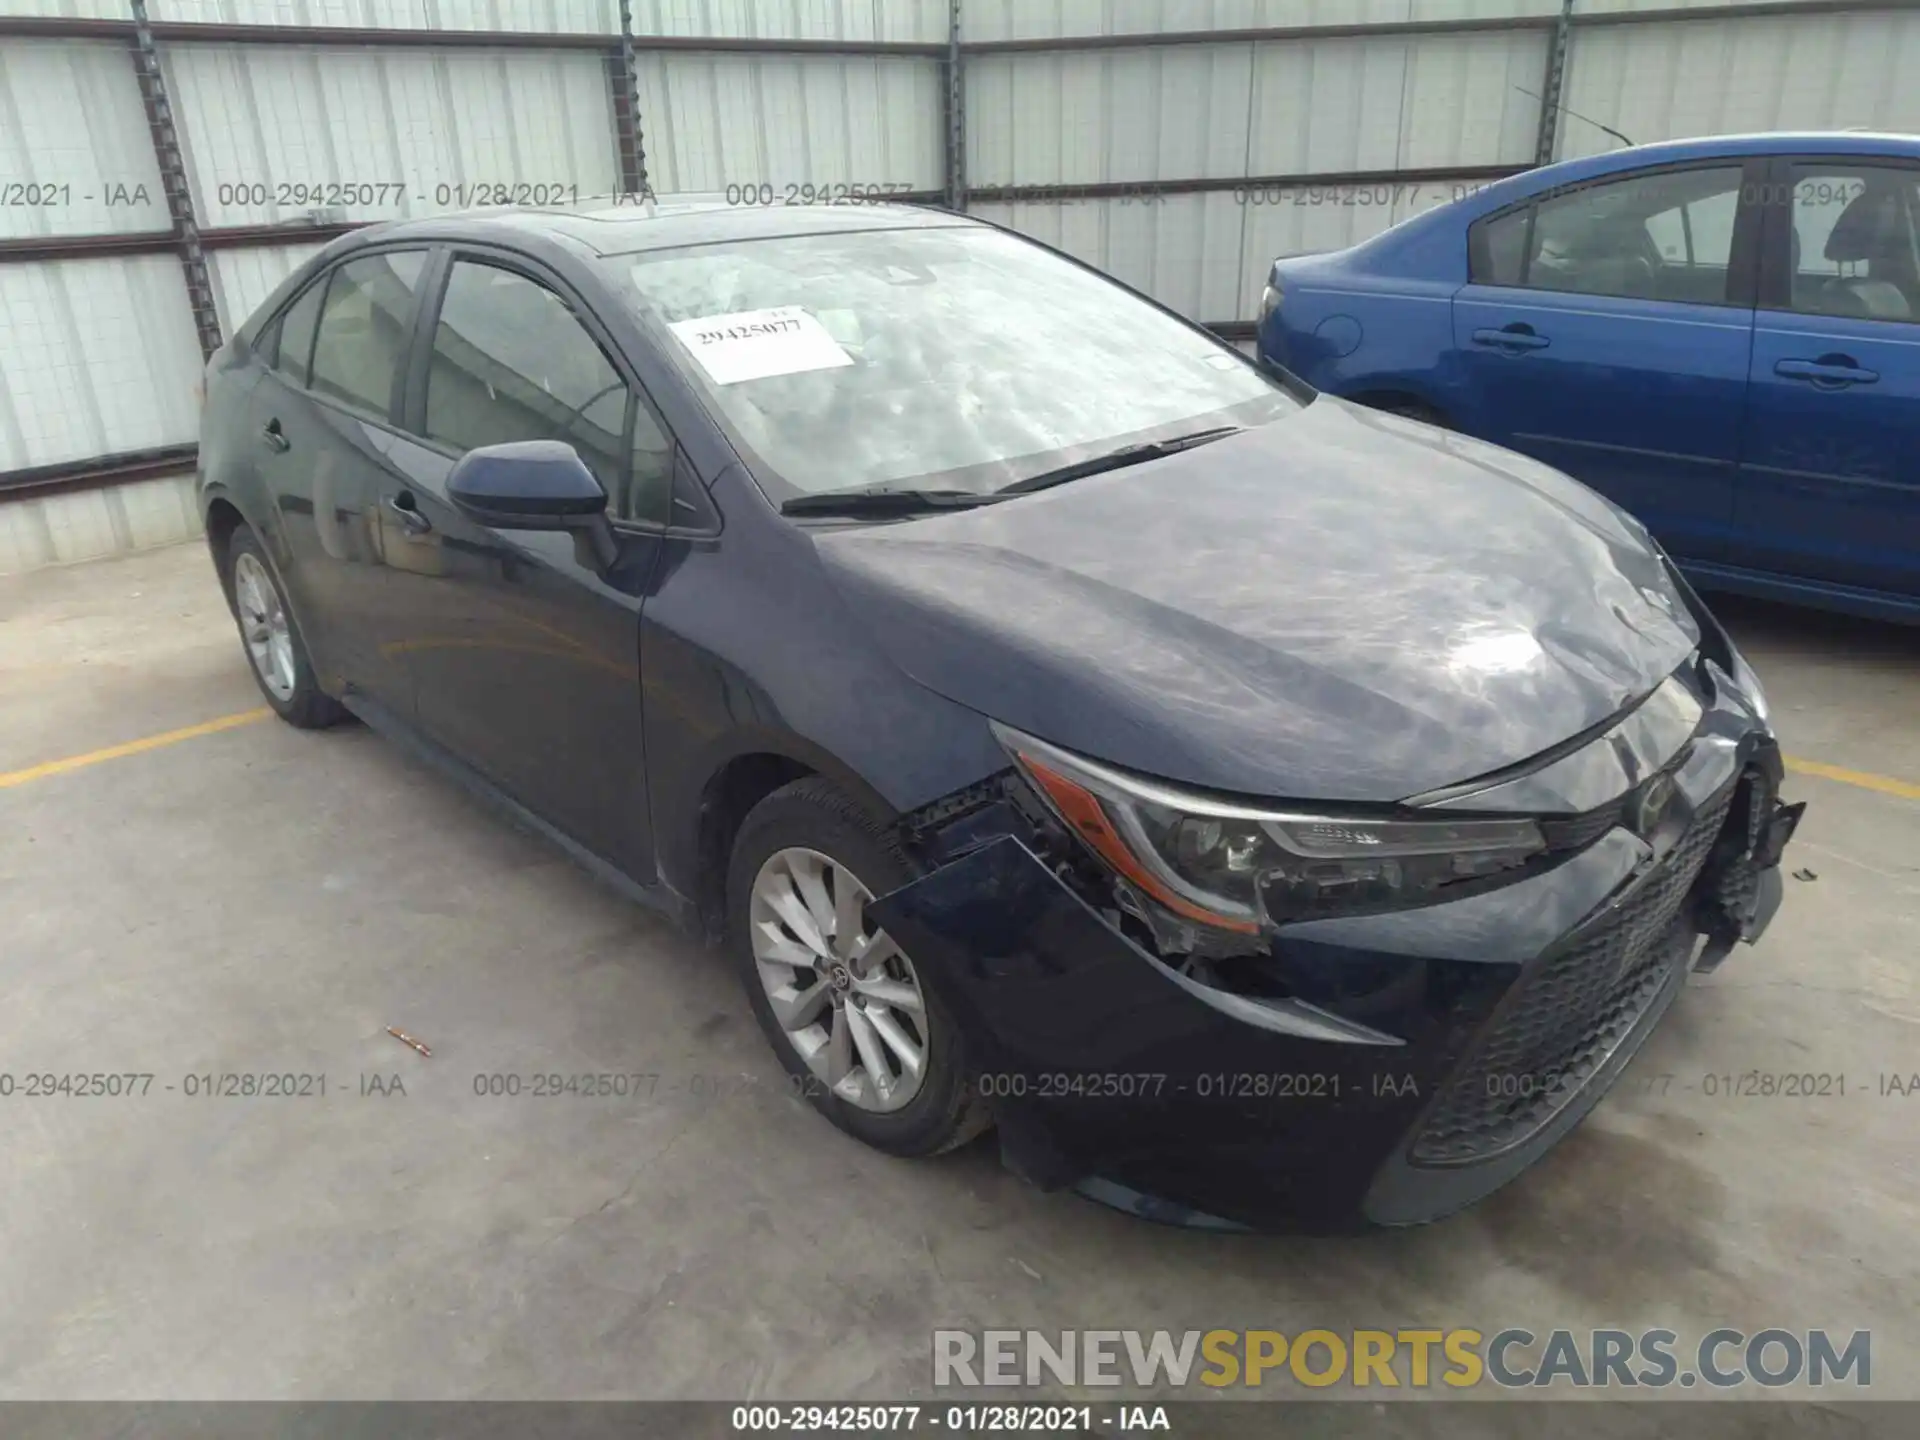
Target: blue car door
pixel 1829 485
pixel 1605 330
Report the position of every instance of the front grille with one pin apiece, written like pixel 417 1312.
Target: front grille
pixel 1568 1012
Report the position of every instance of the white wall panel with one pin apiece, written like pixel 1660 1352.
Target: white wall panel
pixel 401 127
pixel 1046 19
pixel 1600 7
pixel 711 121
pixel 1207 255
pixel 67 9
pixel 1184 250
pixel 596 17
pixel 1657 81
pixel 244 278
pixel 1425 102
pixel 75 156
pixel 921 21
pixel 100 357
pixel 1176 113
pixel 86 524
pixel 1275 108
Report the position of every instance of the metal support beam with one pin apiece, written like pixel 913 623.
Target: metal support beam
pixel 1554 85
pixel 623 86
pixel 956 108
pixel 173 180
pixel 97 473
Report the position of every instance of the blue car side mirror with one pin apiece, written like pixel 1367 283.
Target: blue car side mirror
pixel 535 485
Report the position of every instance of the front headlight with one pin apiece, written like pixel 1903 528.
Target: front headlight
pixel 1235 867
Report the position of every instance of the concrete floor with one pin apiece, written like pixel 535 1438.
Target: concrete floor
pixel 261 899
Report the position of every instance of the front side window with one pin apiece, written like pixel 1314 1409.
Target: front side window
pixel 511 362
pixel 1855 245
pixel 365 325
pixel 941 358
pixel 1667 235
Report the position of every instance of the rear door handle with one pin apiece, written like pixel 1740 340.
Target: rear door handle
pixel 411 520
pixel 1831 370
pixel 1511 338
pixel 276 438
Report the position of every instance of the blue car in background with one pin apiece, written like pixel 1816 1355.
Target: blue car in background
pixel 1722 335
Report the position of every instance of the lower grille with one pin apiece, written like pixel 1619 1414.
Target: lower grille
pixel 1568 1012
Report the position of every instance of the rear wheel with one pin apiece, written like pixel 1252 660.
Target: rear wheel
pixel 271 639
pixel 861 1030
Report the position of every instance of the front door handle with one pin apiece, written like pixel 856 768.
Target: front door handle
pixel 1512 337
pixel 411 520
pixel 275 437
pixel 1829 371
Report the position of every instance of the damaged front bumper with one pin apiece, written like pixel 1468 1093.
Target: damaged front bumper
pixel 1396 1067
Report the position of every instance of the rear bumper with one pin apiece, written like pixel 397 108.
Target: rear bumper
pixel 1421 1060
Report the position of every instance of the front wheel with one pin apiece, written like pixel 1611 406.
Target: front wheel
pixel 857 1026
pixel 272 640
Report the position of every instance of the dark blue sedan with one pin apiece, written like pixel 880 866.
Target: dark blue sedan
pixel 1723 335
pixel 1261 809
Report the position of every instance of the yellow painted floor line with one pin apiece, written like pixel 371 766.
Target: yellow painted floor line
pixel 1865 779
pixel 131 747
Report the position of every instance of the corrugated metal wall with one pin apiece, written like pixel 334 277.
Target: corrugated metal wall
pixel 715 121
pixel 1334 107
pixel 1180 144
pixel 1719 75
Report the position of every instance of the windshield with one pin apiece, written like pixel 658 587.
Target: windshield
pixel 953 358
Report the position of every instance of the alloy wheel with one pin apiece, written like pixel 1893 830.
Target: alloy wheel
pixel 845 995
pixel 263 624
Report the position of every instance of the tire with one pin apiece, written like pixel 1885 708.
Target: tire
pixel 811 817
pixel 281 669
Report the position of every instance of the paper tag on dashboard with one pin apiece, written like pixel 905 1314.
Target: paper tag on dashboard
pixel 754 344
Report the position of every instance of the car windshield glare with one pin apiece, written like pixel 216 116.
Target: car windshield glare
pixel 940 357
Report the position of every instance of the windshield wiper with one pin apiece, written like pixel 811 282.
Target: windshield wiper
pixel 1115 459
pixel 884 502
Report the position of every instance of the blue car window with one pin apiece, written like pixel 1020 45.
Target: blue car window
pixel 1856 241
pixel 1660 235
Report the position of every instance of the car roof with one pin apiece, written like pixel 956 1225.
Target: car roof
pixel 1708 147
pixel 625 225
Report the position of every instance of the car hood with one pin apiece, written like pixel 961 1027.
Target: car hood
pixel 1340 605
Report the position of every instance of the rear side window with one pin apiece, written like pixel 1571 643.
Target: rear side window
pixel 1500 248
pixel 365 324
pixel 295 331
pixel 511 362
pixel 1661 235
pixel 1855 244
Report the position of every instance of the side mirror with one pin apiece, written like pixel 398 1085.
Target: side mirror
pixel 535 485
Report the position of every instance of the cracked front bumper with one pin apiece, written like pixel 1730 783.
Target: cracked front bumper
pixel 1418 1060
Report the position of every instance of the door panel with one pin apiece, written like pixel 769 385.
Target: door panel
pixel 526 665
pixel 524 659
pixel 323 471
pixel 1607 332
pixel 1829 487
pixel 320 424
